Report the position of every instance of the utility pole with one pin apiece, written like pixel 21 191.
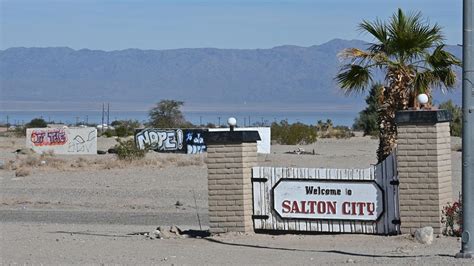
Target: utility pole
pixel 108 115
pixel 102 125
pixel 467 246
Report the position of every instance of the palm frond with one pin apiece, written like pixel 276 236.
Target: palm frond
pixel 423 80
pixel 354 78
pixel 410 35
pixel 351 53
pixel 365 58
pixel 446 76
pixel 441 58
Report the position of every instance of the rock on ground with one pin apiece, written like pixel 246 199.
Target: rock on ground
pixel 424 235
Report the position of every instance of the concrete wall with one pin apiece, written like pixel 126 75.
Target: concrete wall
pixel 62 140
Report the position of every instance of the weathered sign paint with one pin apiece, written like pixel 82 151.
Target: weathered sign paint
pixel 336 200
pixel 62 140
pixel 327 200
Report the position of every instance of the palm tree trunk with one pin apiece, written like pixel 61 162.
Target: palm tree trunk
pixel 396 98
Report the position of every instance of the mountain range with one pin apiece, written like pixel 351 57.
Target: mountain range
pixel 284 75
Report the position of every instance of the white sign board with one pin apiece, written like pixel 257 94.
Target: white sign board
pixel 327 200
pixel 263 145
pixel 62 140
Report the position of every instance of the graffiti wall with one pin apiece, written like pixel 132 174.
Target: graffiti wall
pixel 189 141
pixel 62 140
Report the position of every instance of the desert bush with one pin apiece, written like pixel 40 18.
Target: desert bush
pixel 293 134
pixel 108 133
pixel 452 219
pixel 456 112
pixel 22 171
pixel 19 131
pixel 31 160
pixel 127 150
pixel 125 128
pixel 339 132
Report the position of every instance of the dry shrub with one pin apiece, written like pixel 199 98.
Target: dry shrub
pixel 47 154
pixel 22 171
pixel 81 162
pixel 128 151
pixel 171 159
pixel 31 160
pixel 55 163
pixel 114 163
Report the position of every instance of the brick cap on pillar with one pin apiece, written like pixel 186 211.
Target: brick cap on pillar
pixel 415 117
pixel 229 137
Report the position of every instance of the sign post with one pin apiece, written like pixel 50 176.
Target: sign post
pixel 467 250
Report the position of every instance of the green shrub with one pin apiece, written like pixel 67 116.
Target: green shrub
pixel 367 120
pixel 125 128
pixel 36 122
pixel 293 134
pixel 127 150
pixel 456 112
pixel 109 133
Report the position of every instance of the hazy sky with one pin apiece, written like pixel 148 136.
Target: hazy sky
pixel 148 24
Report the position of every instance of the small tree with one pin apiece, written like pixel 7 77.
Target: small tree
pixel 456 112
pixel 167 114
pixel 37 122
pixel 368 118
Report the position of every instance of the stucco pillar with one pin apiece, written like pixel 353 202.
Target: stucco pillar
pixel 230 158
pixel 424 167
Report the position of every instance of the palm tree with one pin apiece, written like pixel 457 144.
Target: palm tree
pixel 411 53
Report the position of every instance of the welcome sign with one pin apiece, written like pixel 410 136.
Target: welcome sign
pixel 327 200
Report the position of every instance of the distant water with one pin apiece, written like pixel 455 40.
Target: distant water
pixel 344 117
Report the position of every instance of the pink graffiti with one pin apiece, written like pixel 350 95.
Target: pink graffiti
pixel 48 137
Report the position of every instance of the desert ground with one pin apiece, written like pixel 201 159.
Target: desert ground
pixel 95 209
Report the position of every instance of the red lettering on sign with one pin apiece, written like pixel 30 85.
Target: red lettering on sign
pixel 331 207
pixel 345 207
pixel 321 207
pixel 370 208
pixel 286 206
pixel 294 207
pixel 311 206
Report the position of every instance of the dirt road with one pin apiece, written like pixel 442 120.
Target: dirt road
pixel 90 209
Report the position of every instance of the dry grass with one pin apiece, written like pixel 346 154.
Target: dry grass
pixel 51 162
pixel 190 161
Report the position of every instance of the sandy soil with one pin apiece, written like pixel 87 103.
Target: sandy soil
pixel 85 209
